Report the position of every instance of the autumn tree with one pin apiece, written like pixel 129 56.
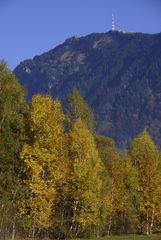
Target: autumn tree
pixel 120 189
pixel 120 201
pixel 84 180
pixel 146 158
pixel 44 161
pixel 128 216
pixel 106 148
pixel 77 108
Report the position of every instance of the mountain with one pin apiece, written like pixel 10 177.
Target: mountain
pixel 118 73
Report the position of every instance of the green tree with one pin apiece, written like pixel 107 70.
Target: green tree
pixel 106 146
pixel 13 110
pixel 77 108
pixel 146 158
pixel 44 161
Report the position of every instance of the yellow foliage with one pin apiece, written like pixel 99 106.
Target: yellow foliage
pixel 85 176
pixel 44 159
pixel 146 158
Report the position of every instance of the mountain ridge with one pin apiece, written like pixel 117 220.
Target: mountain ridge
pixel 118 73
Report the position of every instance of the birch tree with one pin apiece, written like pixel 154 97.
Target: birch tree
pixel 85 179
pixel 44 161
pixel 146 158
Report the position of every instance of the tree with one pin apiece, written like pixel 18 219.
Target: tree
pixel 85 179
pixel 129 215
pixel 44 161
pixel 13 110
pixel 146 158
pixel 121 204
pixel 119 186
pixel 106 148
pixel 77 108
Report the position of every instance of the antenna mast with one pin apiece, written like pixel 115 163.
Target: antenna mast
pixel 113 23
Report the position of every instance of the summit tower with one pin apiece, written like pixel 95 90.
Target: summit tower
pixel 113 23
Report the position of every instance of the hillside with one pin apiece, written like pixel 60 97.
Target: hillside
pixel 119 74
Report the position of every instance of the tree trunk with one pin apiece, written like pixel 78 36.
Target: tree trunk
pixel 97 232
pixel 109 226
pixel 151 224
pixel 147 225
pixel 61 224
pixel 77 230
pixel 13 229
pixel 73 220
pixel 33 233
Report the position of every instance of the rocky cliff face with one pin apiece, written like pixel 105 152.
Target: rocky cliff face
pixel 119 74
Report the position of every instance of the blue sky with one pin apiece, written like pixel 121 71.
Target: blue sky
pixel 31 27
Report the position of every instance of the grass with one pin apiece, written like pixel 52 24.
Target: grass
pixel 131 237
pixel 125 237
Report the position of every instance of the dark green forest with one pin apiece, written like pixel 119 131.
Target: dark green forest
pixel 117 73
pixel 60 179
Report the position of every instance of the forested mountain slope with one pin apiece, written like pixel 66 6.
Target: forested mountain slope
pixel 118 73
